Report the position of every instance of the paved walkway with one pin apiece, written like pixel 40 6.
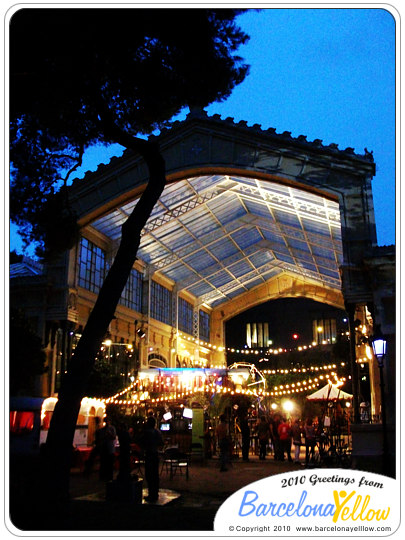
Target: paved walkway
pixel 205 481
pixel 185 504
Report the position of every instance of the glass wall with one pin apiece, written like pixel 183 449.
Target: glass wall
pixel 204 326
pixel 185 313
pixel 91 266
pixel 160 303
pixel 132 294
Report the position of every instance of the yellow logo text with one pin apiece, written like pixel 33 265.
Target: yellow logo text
pixel 350 507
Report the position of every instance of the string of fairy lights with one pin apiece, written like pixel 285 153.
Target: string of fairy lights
pixel 255 351
pixel 170 390
pixel 143 390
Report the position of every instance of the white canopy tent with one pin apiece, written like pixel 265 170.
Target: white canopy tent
pixel 329 392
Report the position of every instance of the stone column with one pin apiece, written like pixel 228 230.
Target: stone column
pixel 354 369
pixel 196 332
pixel 217 332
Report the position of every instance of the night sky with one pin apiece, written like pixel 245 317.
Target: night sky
pixel 327 73
pixel 285 316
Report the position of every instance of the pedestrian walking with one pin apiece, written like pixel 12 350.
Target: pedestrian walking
pixel 284 432
pixel 151 442
pixel 223 443
pixel 296 433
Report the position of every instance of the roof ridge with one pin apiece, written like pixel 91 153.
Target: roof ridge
pixel 200 114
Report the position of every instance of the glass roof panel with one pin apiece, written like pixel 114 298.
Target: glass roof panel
pixel 201 288
pixel 279 189
pixel 240 268
pixel 285 257
pixel 287 218
pixel 201 183
pixel 330 272
pixel 302 246
pixel 324 253
pixel 257 208
pixel 176 193
pixel 236 292
pixel 308 266
pixel 175 240
pixel 254 282
pixel 223 248
pixel 178 272
pixel 302 255
pixel 128 207
pixel 199 223
pixel 152 252
pixel 226 208
pixel 200 260
pixel 245 238
pixel 244 180
pixel 260 258
pixel 221 278
pixel 218 235
pixel 210 270
pixel 313 226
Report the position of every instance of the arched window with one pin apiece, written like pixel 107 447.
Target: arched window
pixel 156 360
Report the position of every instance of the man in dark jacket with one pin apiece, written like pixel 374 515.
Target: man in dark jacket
pixel 151 442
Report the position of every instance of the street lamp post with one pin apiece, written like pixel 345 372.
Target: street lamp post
pixel 139 336
pixel 379 345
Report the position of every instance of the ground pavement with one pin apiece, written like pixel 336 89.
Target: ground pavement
pixel 184 504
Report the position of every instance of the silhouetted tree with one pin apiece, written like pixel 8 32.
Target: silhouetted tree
pixel 27 357
pixel 15 257
pixel 84 76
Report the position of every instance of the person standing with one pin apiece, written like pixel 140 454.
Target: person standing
pixel 107 454
pixel 263 433
pixel 275 437
pixel 124 440
pixel 151 442
pixel 296 433
pixel 245 433
pixel 97 445
pixel 284 432
pixel 223 443
pixel 310 440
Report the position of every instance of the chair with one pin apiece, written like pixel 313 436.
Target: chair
pixel 175 461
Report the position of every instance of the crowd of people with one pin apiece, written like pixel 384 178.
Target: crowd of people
pixel 275 436
pixel 148 444
pixel 280 436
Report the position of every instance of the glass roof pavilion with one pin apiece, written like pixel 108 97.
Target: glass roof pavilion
pixel 218 236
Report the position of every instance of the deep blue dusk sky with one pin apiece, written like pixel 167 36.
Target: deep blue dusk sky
pixel 325 73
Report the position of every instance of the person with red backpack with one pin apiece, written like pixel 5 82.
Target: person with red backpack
pixel 284 431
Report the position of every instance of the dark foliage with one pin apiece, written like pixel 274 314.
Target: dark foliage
pixel 15 257
pixel 84 76
pixel 103 380
pixel 27 357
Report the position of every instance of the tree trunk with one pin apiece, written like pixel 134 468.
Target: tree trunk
pixel 59 443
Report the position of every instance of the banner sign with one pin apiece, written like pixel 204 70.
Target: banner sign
pixel 314 502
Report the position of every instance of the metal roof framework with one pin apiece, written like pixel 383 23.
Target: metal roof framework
pixel 218 236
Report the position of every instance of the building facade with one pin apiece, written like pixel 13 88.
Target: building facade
pixel 248 215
